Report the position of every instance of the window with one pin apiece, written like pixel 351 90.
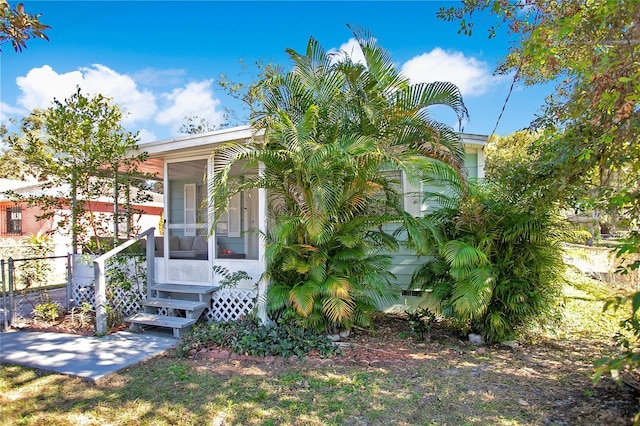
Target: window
pixel 471 164
pixel 14 220
pixel 394 179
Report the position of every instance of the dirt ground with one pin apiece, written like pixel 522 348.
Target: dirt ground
pixel 551 377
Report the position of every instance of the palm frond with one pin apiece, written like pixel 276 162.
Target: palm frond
pixel 462 255
pixel 302 297
pixel 337 309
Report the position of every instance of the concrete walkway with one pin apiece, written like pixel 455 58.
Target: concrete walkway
pixel 88 357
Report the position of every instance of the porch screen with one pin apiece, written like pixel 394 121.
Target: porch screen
pixel 235 234
pixel 187 225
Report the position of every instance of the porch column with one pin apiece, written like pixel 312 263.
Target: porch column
pixel 262 225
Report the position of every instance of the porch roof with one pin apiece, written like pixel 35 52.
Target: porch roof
pixel 189 144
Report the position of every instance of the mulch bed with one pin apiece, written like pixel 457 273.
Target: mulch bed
pixel 65 325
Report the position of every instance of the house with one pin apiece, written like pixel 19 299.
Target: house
pixel 18 219
pixel 188 251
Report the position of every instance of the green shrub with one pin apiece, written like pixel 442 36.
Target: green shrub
pixel 248 337
pixel 82 316
pixel 496 263
pixel 420 321
pixel 229 279
pixel 35 272
pixel 47 311
pixel 115 317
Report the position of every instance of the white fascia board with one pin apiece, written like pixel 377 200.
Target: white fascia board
pixel 201 140
pixel 240 133
pixel 474 140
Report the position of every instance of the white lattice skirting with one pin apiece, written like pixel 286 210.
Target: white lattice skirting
pixel 230 304
pixel 226 304
pixel 128 302
pixel 83 294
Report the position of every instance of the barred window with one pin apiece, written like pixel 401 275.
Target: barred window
pixel 14 220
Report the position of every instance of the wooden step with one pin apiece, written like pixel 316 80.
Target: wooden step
pixel 178 324
pixel 185 305
pixel 185 288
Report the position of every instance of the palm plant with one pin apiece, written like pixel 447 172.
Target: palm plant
pixel 371 98
pixel 496 263
pixel 331 126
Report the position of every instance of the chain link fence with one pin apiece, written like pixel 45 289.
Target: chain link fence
pixel 28 283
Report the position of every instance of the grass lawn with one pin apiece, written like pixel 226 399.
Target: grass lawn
pixel 546 381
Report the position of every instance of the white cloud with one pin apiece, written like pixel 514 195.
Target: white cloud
pixel 146 136
pixel 472 76
pixel 351 48
pixel 137 105
pixel 41 85
pixel 7 111
pixel 195 99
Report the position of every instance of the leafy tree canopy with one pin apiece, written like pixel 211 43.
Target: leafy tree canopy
pixel 78 144
pixel 589 147
pixel 591 49
pixel 17 26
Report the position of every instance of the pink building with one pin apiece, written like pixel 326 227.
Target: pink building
pixel 18 220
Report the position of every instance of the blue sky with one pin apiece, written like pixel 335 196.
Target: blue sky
pixel 160 60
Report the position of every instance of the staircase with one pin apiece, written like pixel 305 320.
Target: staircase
pixel 175 306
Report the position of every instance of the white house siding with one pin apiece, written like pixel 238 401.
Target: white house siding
pixel 405 261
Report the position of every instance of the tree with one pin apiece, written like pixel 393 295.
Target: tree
pixel 590 124
pixel 80 144
pixel 331 128
pixel 247 94
pixel 18 26
pixel 504 153
pixel 11 167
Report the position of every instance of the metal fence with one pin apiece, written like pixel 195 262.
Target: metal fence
pixel 28 282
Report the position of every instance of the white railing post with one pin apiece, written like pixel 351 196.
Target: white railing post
pixel 151 261
pixel 101 297
pixel 100 281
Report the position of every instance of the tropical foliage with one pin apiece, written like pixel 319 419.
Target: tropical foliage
pixel 496 263
pixel 332 126
pixel 589 142
pixel 590 124
pixel 247 336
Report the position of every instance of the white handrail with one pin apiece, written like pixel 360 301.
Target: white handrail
pixel 99 275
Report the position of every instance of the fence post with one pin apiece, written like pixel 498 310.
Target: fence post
pixel 69 282
pixel 12 304
pixel 4 295
pixel 101 297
